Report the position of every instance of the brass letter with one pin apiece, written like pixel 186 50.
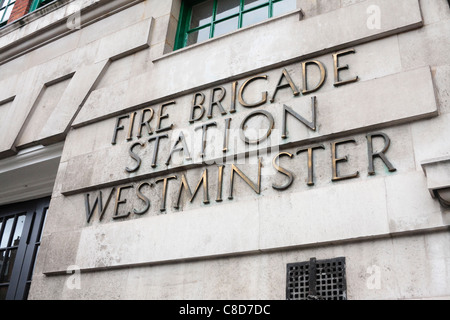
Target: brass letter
pixel 241 93
pixel 311 161
pixel 335 160
pixel 146 123
pixel 233 97
pixel 143 198
pixel 283 171
pixel 135 157
pixel 185 185
pixel 311 125
pixel 305 78
pixel 98 201
pixel 381 154
pixel 184 148
pixel 89 211
pixel 196 105
pixel 117 128
pixel 337 68
pixel 219 184
pixel 161 117
pixel 204 135
pixel 255 187
pixel 164 191
pixel 118 202
pixel 290 84
pixel 155 150
pixel 130 129
pixel 226 135
pixel 217 102
pixel 251 115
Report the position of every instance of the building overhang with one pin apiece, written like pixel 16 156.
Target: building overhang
pixel 30 174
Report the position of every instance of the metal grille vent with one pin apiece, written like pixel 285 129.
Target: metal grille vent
pixel 317 280
pixel 298 281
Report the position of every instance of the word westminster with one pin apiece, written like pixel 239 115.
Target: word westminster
pixel 200 107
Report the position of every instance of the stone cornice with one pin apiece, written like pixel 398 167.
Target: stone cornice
pixel 31 32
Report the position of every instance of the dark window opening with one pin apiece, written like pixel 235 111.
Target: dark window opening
pixel 20 238
pixel 39 4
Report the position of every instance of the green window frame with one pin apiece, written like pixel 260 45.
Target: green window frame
pixel 259 9
pixel 38 4
pixel 6 8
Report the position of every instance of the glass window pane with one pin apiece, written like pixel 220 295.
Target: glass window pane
pixel 7 233
pixel 5 3
pixel 226 26
pixel 202 14
pixel 18 231
pixel 226 8
pixel 8 264
pixel 255 16
pixel 253 3
pixel 283 7
pixel 2 11
pixel 198 36
pixel 8 12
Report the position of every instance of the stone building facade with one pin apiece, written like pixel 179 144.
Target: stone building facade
pixel 220 149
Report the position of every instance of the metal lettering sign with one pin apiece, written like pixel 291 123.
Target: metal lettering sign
pixel 218 123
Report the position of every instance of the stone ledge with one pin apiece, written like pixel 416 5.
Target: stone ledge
pixel 63 272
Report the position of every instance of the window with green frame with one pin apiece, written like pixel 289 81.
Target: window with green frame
pixel 6 7
pixel 201 20
pixel 36 4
